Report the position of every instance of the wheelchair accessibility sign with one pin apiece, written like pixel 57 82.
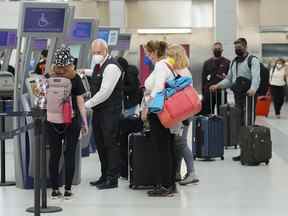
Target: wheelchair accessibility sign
pixel 46 20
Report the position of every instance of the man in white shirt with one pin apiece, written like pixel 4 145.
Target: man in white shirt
pixel 106 102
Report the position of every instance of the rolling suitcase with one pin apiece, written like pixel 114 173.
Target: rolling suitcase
pixel 255 142
pixel 232 123
pixel 141 160
pixel 131 124
pixel 208 135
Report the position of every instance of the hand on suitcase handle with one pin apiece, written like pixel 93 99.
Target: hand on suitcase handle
pixel 214 88
pixel 251 92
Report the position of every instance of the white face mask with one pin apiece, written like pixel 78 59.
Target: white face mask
pixel 96 59
pixel 279 66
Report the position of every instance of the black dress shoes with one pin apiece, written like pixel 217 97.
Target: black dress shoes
pixel 237 158
pixel 108 184
pixel 101 180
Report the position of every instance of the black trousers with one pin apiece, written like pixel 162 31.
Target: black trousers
pixel 206 102
pixel 56 134
pixel 278 94
pixel 240 102
pixel 165 160
pixel 106 132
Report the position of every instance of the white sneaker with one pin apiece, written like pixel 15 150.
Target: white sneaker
pixel 56 194
pixel 190 178
pixel 68 195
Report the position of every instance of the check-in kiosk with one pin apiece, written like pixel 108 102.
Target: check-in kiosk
pixel 79 37
pixel 123 44
pixel 38 45
pixel 109 34
pixel 37 21
pixel 8 42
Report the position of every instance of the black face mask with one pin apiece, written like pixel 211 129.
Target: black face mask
pixel 239 52
pixel 217 53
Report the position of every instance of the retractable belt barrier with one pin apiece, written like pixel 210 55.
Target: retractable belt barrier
pixel 38 116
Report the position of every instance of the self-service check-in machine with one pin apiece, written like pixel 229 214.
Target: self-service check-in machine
pixel 110 35
pixel 8 42
pixel 38 45
pixel 79 37
pixel 123 44
pixel 49 21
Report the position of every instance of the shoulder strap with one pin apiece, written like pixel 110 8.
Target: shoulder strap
pixel 171 69
pixel 231 66
pixel 250 58
pixel 232 63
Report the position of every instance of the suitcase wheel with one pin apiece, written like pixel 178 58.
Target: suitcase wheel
pixel 235 146
pixel 242 163
pixel 267 162
pixel 195 157
pixel 222 158
pixel 133 187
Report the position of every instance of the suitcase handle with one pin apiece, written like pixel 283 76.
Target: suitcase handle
pixel 252 111
pixel 222 100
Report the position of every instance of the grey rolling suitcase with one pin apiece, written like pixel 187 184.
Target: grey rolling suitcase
pixel 232 124
pixel 255 142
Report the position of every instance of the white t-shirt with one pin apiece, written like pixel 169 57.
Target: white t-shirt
pixel 155 82
pixel 277 78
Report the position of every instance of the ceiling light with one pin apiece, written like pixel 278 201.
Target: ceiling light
pixel 165 31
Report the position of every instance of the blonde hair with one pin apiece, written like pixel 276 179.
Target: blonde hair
pixel 178 53
pixel 158 47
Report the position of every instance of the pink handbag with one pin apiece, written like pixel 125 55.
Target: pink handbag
pixel 179 107
pixel 67 112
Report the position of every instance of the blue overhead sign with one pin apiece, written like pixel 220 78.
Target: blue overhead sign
pixel 81 31
pixel 3 38
pixel 44 20
pixel 124 41
pixel 103 34
pixel 39 44
pixel 110 35
pixel 8 39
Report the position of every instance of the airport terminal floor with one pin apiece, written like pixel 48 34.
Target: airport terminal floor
pixel 225 188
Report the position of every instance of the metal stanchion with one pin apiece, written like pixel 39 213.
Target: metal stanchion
pixel 36 208
pixel 40 182
pixel 3 152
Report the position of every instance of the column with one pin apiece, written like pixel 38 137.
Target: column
pixel 117 14
pixel 226 24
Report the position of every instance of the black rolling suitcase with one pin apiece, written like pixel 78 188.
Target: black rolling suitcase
pixel 255 142
pixel 141 160
pixel 131 124
pixel 232 124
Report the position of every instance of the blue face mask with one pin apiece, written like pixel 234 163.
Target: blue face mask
pixel 147 61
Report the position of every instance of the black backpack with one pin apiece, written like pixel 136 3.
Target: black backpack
pixel 264 76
